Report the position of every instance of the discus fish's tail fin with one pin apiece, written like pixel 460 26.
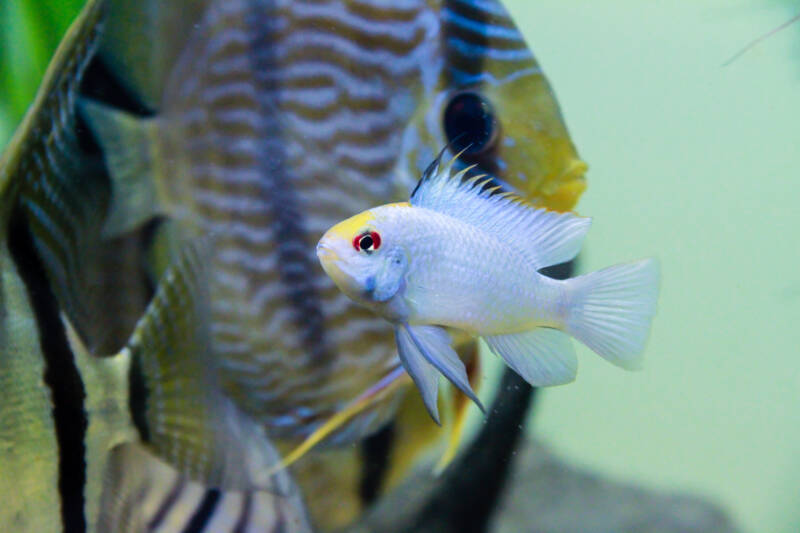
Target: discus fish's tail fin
pixel 130 148
pixel 176 404
pixel 611 310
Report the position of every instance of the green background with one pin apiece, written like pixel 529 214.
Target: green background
pixel 690 161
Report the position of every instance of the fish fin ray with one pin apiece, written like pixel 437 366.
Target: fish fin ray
pixel 545 237
pixel 424 375
pixel 128 146
pixel 177 404
pixel 543 356
pixel 612 310
pixel 433 343
pixel 339 419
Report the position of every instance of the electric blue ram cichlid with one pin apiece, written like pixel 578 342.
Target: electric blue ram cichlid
pixel 463 255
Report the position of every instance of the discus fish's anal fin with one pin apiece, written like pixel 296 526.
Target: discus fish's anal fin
pixel 431 344
pixel 543 356
pixel 545 237
pixel 176 402
pixel 384 389
pixel 129 147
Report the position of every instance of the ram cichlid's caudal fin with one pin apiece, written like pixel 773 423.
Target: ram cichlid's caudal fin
pixel 550 238
pixel 176 403
pixel 543 356
pixel 611 310
pixel 129 144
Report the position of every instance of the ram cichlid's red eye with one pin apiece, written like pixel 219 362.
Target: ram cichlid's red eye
pixel 367 242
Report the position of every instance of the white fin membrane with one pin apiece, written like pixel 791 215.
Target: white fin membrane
pixel 612 310
pixel 545 237
pixel 424 375
pixel 543 356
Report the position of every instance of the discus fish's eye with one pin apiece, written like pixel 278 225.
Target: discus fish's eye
pixel 367 242
pixel 469 123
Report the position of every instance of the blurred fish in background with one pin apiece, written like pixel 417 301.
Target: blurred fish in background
pixel 264 123
pixel 67 414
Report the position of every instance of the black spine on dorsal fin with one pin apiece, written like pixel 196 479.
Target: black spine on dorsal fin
pixel 436 164
pixel 61 376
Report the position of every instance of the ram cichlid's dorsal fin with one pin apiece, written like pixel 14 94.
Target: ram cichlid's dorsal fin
pixel 546 237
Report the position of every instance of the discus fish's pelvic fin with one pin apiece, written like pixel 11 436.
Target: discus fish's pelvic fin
pixel 612 310
pixel 129 144
pixel 543 356
pixel 550 237
pixel 176 403
pixel 431 344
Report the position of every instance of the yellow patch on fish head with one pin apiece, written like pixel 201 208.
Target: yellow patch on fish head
pixel 355 254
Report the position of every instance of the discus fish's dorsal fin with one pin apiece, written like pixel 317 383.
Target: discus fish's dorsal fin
pixel 129 145
pixel 424 350
pixel 546 237
pixel 176 403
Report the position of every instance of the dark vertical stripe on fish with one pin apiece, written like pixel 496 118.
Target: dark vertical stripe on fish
pixel 244 517
pixel 137 402
pixel 168 503
pixel 298 270
pixel 376 451
pixel 204 512
pixel 60 375
pixel 454 11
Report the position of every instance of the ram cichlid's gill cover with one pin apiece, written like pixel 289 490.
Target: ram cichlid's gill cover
pixel 464 255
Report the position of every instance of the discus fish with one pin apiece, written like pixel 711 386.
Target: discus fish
pixel 462 255
pixel 65 412
pixel 281 118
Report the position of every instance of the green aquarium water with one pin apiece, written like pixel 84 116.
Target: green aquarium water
pixel 699 164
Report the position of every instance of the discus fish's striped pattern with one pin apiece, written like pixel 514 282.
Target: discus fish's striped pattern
pixel 282 117
pixel 152 498
pixel 482 44
pixel 276 82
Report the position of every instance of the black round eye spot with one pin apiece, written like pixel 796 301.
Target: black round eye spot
pixel 469 122
pixel 366 242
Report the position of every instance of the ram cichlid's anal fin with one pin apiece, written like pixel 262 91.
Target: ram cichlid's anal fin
pixel 543 356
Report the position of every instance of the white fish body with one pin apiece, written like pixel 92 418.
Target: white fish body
pixel 461 256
